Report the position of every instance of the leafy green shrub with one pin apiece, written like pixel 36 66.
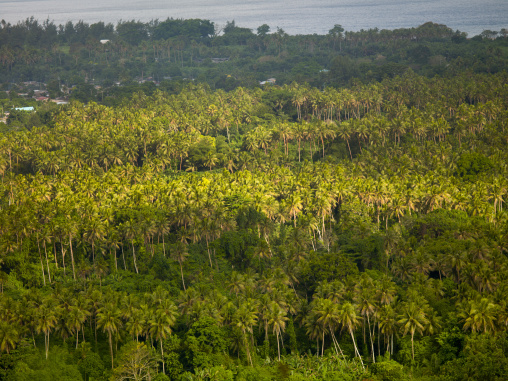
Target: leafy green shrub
pixel 389 370
pixel 472 165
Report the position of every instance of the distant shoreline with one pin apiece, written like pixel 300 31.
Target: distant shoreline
pixel 302 18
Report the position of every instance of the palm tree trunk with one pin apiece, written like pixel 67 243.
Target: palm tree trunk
pixel 72 257
pixel 336 344
pixel 246 341
pixel 412 345
pixel 209 256
pixel 111 348
pixel 323 345
pixel 116 262
pixel 278 345
pixel 63 256
pixel 350 154
pixel 47 262
pixel 181 272
pixel 42 265
pixel 371 341
pixel 123 257
pixel 356 348
pixel 54 253
pixel 162 354
pixel 134 257
pixel 46 341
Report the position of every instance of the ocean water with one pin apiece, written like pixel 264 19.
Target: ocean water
pixel 295 17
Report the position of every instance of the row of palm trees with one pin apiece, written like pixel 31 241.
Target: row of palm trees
pixel 167 130
pixel 376 310
pixel 127 207
pixel 172 48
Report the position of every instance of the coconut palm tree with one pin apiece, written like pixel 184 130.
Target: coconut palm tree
pixel 46 320
pixel 479 315
pixel 178 252
pixel 76 318
pixel 349 319
pixel 328 316
pixel 388 325
pixel 412 320
pixel 244 319
pixel 277 319
pixel 160 326
pixel 9 336
pixel 109 319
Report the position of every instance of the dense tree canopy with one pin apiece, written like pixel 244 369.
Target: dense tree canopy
pixel 285 232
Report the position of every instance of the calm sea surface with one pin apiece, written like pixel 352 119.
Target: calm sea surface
pixel 295 17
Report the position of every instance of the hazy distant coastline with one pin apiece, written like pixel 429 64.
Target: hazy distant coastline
pixel 303 17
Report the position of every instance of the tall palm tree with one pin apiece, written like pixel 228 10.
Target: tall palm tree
pixel 76 318
pixel 178 252
pixel 9 336
pixel 412 320
pixel 299 133
pixel 388 325
pixel 130 231
pixel 109 319
pixel 365 294
pixel 135 325
pixel 479 315
pixel 46 320
pixel 160 326
pixel 349 319
pixel 277 319
pixel 245 318
pixel 328 316
pixel 95 230
pixel 344 132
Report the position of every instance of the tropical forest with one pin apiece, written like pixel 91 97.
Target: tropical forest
pixel 236 205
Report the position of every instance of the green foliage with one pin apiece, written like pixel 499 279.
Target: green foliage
pixel 193 28
pixel 257 373
pixel 135 361
pixel 132 32
pixel 471 166
pixel 440 223
pixel 389 370
pixel 263 30
pixel 423 349
pixel 172 349
pixel 90 364
pixel 483 358
pixel 293 344
pixel 320 267
pixel 160 377
pixel 235 245
pixel 22 353
pixel 60 367
pixel 325 368
pixel 342 69
pixel 368 220
pixel 206 342
pixel 451 343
